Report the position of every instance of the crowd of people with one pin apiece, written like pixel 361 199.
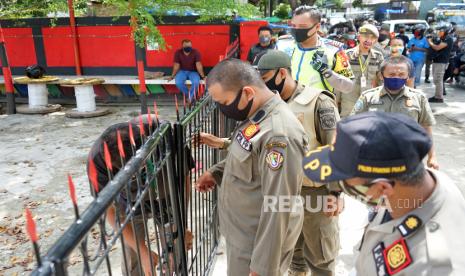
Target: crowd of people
pixel 316 119
pixel 291 149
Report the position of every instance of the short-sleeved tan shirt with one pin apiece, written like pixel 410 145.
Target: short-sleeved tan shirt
pixel 408 101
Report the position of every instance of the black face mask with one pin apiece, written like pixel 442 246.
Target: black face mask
pixel 382 37
pixel 271 84
pixel 300 35
pixel 187 49
pixel 232 110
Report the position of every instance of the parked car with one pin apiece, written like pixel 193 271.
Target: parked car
pixel 408 23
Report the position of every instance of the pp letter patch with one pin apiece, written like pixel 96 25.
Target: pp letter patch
pixel 274 159
pixel 397 256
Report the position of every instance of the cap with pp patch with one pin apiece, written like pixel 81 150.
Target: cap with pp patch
pixel 370 145
pixel 273 59
pixel 369 29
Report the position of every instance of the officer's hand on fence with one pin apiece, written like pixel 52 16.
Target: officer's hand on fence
pixel 432 163
pixel 319 62
pixel 145 259
pixel 207 139
pixel 205 183
pixel 335 205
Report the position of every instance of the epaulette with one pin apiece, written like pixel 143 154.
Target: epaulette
pixel 372 90
pixel 325 93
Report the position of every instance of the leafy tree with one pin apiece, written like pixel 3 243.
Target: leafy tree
pixel 144 14
pixel 282 11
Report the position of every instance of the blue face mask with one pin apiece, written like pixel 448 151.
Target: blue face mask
pixel 394 84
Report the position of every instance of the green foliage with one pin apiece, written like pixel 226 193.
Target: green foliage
pixel 144 14
pixel 283 11
pixel 12 9
pixel 357 4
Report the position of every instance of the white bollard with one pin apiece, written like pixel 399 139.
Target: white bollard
pixel 85 98
pixel 38 95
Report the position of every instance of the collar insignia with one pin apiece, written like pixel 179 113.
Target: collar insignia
pixel 410 224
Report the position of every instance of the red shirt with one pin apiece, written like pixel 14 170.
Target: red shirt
pixel 187 62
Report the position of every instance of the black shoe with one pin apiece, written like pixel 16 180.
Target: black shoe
pixel 435 100
pixel 427 81
pixel 444 93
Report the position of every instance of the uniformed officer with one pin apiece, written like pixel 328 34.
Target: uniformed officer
pixel 262 166
pixel 365 62
pixel 318 62
pixel 395 96
pixel 377 157
pixel 316 109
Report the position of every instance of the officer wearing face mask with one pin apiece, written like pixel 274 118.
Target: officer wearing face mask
pixel 262 166
pixel 317 62
pixel 417 227
pixel 265 37
pixel 365 62
pixel 383 40
pixel 404 38
pixel 394 96
pixel 317 111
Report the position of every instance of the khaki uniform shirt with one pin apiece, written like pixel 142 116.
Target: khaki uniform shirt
pixel 410 102
pixel 260 166
pixel 370 67
pixel 317 111
pixel 426 241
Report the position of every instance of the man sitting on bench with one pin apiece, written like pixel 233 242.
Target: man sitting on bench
pixel 187 66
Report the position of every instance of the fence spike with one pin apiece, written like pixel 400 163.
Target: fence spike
pixel 155 109
pixel 122 154
pixel 107 157
pixel 31 226
pixel 93 175
pixel 32 232
pixel 141 126
pixel 131 135
pixel 177 107
pixel 72 190
pixel 72 195
pixel 149 118
pixel 184 101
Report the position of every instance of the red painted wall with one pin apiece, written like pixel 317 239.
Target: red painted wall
pixel 111 46
pixel 101 46
pixel 19 46
pixel 249 36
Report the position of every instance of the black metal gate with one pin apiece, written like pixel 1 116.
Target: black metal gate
pixel 171 223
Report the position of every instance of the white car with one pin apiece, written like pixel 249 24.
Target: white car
pixel 408 23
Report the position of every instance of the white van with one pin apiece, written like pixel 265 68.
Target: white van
pixel 408 23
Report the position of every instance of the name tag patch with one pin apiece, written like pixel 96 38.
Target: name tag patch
pixel 243 142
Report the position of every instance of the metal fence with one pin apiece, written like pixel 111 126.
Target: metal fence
pixel 167 228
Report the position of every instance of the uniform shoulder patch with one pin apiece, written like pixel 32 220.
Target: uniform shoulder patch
pixel 327 118
pixel 274 159
pixel 250 131
pixel 243 142
pixel 410 224
pixel 397 256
